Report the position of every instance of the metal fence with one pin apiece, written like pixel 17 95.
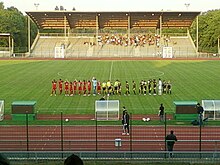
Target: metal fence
pixel 103 141
pixel 102 136
pixel 89 157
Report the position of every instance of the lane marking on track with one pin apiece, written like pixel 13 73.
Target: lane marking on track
pixel 155 132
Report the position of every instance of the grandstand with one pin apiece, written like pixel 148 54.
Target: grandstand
pixel 135 34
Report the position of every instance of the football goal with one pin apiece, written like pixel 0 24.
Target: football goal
pixel 59 52
pixel 107 110
pixel 167 52
pixel 1 110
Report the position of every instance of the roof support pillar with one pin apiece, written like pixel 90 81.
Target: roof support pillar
pixel 12 46
pixel 65 31
pixel 129 28
pixel 9 44
pixel 218 45
pixel 161 19
pixel 160 25
pixel 97 28
pixel 29 36
pixel 197 34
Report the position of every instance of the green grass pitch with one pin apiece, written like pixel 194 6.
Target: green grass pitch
pixel 31 80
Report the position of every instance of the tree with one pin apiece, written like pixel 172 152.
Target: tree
pixel 209 31
pixel 14 22
pixel 56 8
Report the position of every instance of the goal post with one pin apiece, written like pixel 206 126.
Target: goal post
pixel 1 110
pixel 107 110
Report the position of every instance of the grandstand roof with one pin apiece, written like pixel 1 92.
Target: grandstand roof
pixel 74 19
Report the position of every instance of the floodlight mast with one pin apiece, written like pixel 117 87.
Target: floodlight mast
pixel 36 5
pixel 187 6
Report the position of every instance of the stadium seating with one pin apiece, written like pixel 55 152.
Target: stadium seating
pixel 78 46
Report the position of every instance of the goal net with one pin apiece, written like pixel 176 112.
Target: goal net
pixel 167 52
pixel 1 110
pixel 59 52
pixel 107 110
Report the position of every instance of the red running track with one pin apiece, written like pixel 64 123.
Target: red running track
pixel 102 138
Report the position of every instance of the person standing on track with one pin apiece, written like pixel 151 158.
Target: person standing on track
pixel 161 113
pixel 170 140
pixel 200 111
pixel 125 121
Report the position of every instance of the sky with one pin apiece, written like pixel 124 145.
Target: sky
pixel 114 5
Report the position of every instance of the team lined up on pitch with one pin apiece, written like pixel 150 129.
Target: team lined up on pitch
pixel 86 88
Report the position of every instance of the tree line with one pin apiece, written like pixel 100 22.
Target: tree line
pixel 14 22
pixel 209 31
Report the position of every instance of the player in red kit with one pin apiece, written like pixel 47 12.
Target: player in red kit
pixel 79 87
pixel 99 87
pixel 66 87
pixel 84 87
pixel 74 87
pixel 60 82
pixel 71 88
pixel 54 88
pixel 89 85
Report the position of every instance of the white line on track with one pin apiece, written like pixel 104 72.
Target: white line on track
pixel 155 132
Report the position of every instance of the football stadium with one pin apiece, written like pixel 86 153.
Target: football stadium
pixel 92 84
